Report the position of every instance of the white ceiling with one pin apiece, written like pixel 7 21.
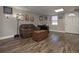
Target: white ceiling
pixel 47 10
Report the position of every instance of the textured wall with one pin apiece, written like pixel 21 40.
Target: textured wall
pixel 68 24
pixel 59 27
pixel 8 26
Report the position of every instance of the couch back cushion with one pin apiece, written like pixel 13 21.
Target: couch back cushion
pixel 26 26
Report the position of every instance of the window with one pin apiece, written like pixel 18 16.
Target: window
pixel 54 20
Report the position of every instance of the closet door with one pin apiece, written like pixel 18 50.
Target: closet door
pixel 72 23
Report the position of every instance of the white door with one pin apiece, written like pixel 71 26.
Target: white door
pixel 72 23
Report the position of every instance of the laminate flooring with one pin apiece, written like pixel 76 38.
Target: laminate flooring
pixel 54 43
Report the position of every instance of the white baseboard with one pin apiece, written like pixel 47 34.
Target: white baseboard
pixel 1 38
pixel 57 31
pixel 72 33
pixel 62 31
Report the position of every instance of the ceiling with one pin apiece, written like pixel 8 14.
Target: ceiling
pixel 48 10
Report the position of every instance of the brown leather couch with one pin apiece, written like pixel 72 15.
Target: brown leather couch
pixel 39 35
pixel 26 30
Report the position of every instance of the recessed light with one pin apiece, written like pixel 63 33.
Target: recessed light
pixel 59 10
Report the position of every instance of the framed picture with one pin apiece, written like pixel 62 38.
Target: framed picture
pixel 40 18
pixel 45 17
pixel 26 17
pixel 7 10
pixel 32 19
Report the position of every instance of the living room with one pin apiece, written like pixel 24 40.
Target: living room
pixel 39 29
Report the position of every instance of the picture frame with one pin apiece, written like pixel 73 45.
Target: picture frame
pixel 32 19
pixel 26 17
pixel 7 10
pixel 45 17
pixel 40 18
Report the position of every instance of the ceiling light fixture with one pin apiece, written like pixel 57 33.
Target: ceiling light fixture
pixel 71 14
pixel 59 10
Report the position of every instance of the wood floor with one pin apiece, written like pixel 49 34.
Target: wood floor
pixel 55 43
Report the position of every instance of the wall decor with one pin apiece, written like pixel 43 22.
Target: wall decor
pixel 40 18
pixel 7 10
pixel 45 17
pixel 29 17
pixel 26 17
pixel 32 19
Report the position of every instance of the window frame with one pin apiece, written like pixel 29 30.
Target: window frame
pixel 54 20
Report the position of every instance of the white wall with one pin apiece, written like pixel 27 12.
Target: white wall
pixel 67 24
pixel 0 21
pixel 8 27
pixel 36 17
pixel 60 27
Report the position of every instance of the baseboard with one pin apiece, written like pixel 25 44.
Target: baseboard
pixel 57 31
pixel 63 32
pixel 1 38
pixel 72 33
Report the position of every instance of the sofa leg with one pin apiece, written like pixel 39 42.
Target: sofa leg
pixel 16 36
